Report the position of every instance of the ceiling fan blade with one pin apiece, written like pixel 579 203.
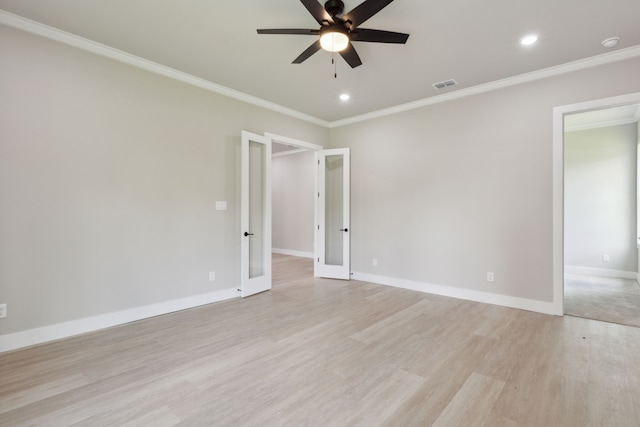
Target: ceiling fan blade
pixel 378 36
pixel 351 56
pixel 317 11
pixel 307 53
pixel 289 31
pixel 364 11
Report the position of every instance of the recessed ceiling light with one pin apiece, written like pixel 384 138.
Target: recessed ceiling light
pixel 610 42
pixel 344 97
pixel 529 40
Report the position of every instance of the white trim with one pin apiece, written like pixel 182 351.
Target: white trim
pixel 292 142
pixel 70 39
pixel 316 216
pixel 290 252
pixel 594 61
pixel 558 183
pixel 52 33
pixel 465 294
pixel 596 125
pixel 89 324
pixel 600 272
pixel 289 152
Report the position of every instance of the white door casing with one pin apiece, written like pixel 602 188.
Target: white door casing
pixel 558 184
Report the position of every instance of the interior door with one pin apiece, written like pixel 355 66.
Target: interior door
pixel 333 215
pixel 255 214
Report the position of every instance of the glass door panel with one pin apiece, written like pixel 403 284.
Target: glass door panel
pixel 334 247
pixel 256 209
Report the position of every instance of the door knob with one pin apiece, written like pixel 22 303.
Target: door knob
pixel 344 229
pixel 246 233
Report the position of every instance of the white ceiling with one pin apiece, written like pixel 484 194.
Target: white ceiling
pixel 473 42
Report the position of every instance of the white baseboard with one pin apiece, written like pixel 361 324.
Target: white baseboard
pixel 466 294
pixel 89 324
pixel 600 272
pixel 292 253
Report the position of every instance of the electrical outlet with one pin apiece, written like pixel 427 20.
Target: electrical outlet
pixel 605 258
pixel 374 262
pixel 212 276
pixel 490 276
pixel 3 311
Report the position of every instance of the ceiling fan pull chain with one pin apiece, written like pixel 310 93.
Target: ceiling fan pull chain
pixel 333 61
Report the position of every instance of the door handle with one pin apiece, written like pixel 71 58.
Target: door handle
pixel 246 233
pixel 344 229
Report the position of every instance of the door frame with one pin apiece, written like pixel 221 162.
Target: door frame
pixel 558 183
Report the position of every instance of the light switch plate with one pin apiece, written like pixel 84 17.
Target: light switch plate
pixel 221 206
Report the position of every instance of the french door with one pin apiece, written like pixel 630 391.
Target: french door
pixel 255 216
pixel 333 214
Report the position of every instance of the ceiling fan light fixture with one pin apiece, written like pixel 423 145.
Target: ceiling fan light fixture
pixel 334 40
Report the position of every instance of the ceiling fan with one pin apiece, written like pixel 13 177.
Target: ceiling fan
pixel 337 31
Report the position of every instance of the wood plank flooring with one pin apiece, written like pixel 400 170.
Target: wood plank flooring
pixel 601 298
pixel 314 352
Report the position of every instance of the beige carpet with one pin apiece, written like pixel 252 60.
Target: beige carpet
pixel 606 299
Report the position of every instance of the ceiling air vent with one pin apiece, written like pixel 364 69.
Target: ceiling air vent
pixel 446 83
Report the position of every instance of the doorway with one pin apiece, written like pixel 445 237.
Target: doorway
pixel 293 186
pixel 327 177
pixel 328 204
pixel 600 250
pixel 595 209
pixel 293 190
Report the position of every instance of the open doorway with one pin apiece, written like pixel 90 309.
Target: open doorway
pixel 293 211
pixel 599 169
pixel 330 175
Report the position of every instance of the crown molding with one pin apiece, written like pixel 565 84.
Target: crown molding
pixel 70 39
pixel 594 61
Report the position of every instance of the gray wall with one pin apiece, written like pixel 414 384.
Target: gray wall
pixel 108 182
pixel 109 177
pixel 293 181
pixel 600 198
pixel 445 193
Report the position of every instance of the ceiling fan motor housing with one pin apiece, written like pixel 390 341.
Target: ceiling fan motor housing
pixel 334 7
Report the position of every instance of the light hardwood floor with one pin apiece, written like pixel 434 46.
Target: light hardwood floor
pixel 601 298
pixel 331 353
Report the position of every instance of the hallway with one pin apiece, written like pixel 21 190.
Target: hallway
pixel 600 298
